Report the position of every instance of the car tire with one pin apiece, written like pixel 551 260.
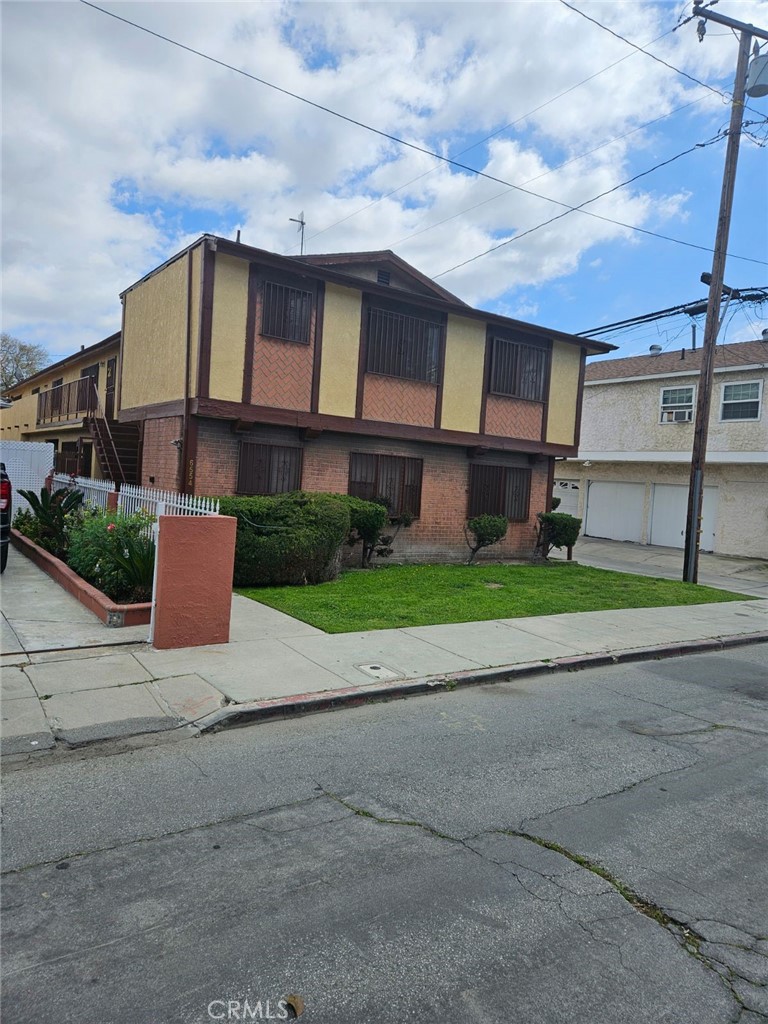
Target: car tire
pixel 3 557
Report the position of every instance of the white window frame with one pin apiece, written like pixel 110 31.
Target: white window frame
pixel 673 407
pixel 734 401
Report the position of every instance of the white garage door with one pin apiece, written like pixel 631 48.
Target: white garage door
pixel 614 510
pixel 669 512
pixel 568 493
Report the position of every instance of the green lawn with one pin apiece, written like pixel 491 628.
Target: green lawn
pixel 425 595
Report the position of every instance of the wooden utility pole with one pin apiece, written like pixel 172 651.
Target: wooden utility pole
pixel 712 325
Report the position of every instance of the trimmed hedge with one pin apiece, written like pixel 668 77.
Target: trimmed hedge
pixel 287 539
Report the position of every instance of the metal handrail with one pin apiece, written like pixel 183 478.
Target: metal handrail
pixel 103 418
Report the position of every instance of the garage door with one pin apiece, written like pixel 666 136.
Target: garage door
pixel 669 513
pixel 614 510
pixel 568 493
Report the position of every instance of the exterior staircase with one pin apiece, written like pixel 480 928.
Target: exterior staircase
pixel 117 447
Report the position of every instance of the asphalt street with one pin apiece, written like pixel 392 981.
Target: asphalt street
pixel 583 848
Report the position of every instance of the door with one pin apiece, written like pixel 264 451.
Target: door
pixel 87 390
pixel 614 510
pixel 109 389
pixel 670 511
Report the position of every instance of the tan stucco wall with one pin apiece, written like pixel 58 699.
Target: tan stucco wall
pixel 154 338
pixel 341 349
pixel 463 382
pixel 563 394
pixel 230 310
pixel 625 417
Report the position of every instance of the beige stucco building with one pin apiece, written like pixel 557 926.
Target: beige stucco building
pixel 630 480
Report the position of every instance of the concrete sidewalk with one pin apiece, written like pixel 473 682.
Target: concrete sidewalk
pixel 100 683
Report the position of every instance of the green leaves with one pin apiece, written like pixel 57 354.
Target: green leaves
pixel 56 513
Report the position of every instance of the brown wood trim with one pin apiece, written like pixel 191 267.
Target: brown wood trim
pixel 317 356
pixel 441 374
pixel 486 378
pixel 189 466
pixel 362 357
pixel 119 389
pixel 152 412
pixel 218 409
pixel 580 400
pixel 547 396
pixel 550 484
pixel 250 332
pixel 293 265
pixel 187 368
pixel 207 273
pixel 140 455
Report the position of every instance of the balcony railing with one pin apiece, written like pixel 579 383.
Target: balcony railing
pixel 67 402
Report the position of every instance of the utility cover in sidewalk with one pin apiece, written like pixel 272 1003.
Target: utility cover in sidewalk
pixel 379 671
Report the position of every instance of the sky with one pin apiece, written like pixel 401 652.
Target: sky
pixel 120 148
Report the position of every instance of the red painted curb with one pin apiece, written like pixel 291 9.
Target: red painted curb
pixel 111 614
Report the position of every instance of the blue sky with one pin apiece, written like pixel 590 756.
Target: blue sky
pixel 128 148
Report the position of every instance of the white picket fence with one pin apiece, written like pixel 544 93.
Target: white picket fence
pixel 132 498
pixel 95 492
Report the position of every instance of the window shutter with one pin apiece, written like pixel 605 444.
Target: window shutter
pixel 486 495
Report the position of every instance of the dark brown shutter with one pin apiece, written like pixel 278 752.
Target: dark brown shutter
pixel 486 490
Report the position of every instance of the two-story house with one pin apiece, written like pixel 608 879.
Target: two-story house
pixel 253 373
pixel 72 405
pixel 630 481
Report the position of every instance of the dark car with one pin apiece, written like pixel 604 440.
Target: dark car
pixel 6 502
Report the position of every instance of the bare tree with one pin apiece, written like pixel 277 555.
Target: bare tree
pixel 19 360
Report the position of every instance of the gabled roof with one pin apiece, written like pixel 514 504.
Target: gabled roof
pixel 747 353
pixel 387 260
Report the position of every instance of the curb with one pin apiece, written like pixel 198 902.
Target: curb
pixel 355 696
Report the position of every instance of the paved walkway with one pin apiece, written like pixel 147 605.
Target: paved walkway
pixel 67 677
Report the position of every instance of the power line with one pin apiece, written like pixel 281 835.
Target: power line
pixel 396 139
pixel 617 35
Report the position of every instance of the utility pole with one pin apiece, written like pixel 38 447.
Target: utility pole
pixel 712 325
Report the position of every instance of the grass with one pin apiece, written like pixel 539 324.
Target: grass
pixel 426 595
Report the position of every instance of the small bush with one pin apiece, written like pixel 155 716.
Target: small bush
pixel 28 524
pixel 288 539
pixel 368 521
pixel 56 515
pixel 484 530
pixel 115 553
pixel 556 530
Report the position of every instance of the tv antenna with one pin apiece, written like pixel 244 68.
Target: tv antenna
pixel 302 224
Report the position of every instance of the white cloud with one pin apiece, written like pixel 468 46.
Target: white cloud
pixel 127 147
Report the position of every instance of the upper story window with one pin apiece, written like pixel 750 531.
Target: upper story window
pixel 403 345
pixel 394 479
pixel 519 369
pixel 286 312
pixel 268 469
pixel 499 491
pixel 677 405
pixel 741 401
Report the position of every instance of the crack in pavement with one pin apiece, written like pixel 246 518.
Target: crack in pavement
pixel 689 940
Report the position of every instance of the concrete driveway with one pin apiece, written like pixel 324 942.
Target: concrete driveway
pixel 742 575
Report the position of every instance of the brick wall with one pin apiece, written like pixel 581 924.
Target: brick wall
pixel 282 370
pixel 437 534
pixel 160 459
pixel 393 400
pixel 511 417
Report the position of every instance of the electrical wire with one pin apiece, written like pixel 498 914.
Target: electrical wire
pixel 403 142
pixel 728 97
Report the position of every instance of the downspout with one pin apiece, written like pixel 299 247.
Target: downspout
pixel 184 452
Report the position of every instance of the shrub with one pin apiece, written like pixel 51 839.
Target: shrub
pixel 368 521
pixel 27 523
pixel 115 553
pixel 485 530
pixel 556 530
pixel 289 539
pixel 56 514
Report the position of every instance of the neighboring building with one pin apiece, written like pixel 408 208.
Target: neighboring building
pixel 252 373
pixel 630 481
pixel 72 404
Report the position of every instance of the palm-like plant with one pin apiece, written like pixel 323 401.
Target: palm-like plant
pixel 51 511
